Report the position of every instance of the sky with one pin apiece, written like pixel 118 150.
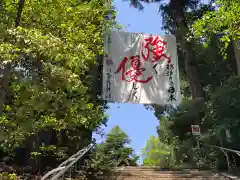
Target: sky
pixel 137 122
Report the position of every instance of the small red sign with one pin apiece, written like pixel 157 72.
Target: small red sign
pixel 196 130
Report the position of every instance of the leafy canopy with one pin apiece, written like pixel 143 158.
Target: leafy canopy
pixel 155 153
pixel 223 21
pixel 51 98
pixel 115 150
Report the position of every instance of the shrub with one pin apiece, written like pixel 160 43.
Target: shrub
pixel 7 176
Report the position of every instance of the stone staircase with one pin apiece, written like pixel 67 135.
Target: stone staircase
pixel 150 173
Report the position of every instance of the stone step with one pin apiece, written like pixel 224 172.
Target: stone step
pixel 169 178
pixel 172 176
pixel 155 173
pixel 166 174
pixel 133 170
pixel 143 173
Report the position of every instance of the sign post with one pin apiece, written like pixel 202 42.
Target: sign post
pixel 196 131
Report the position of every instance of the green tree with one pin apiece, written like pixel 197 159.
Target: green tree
pixel 115 151
pixel 156 153
pixel 223 22
pixel 202 32
pixel 51 98
pixel 178 16
pixel 175 22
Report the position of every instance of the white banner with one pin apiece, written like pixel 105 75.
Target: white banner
pixel 140 68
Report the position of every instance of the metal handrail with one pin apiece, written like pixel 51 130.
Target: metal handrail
pixel 51 172
pixel 223 149
pixel 60 173
pixel 63 167
pixel 67 161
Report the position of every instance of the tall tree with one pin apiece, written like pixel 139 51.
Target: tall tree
pixel 51 99
pixel 115 151
pixel 223 21
pixel 6 68
pixel 156 153
pixel 175 13
pixel 116 147
pixel 203 31
pixel 218 123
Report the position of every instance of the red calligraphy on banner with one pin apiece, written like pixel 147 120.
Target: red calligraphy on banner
pixel 133 73
pixel 158 47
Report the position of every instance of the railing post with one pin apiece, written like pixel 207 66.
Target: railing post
pixel 228 162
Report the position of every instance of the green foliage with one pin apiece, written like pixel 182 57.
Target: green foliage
pixel 205 34
pixel 6 176
pixel 115 151
pixel 219 124
pixel 223 22
pixel 53 87
pixel 156 153
pixel 223 106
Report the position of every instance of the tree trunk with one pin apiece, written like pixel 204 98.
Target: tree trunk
pixel 7 67
pixel 187 47
pixel 236 46
pixel 192 72
pixel 4 77
pixel 19 12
